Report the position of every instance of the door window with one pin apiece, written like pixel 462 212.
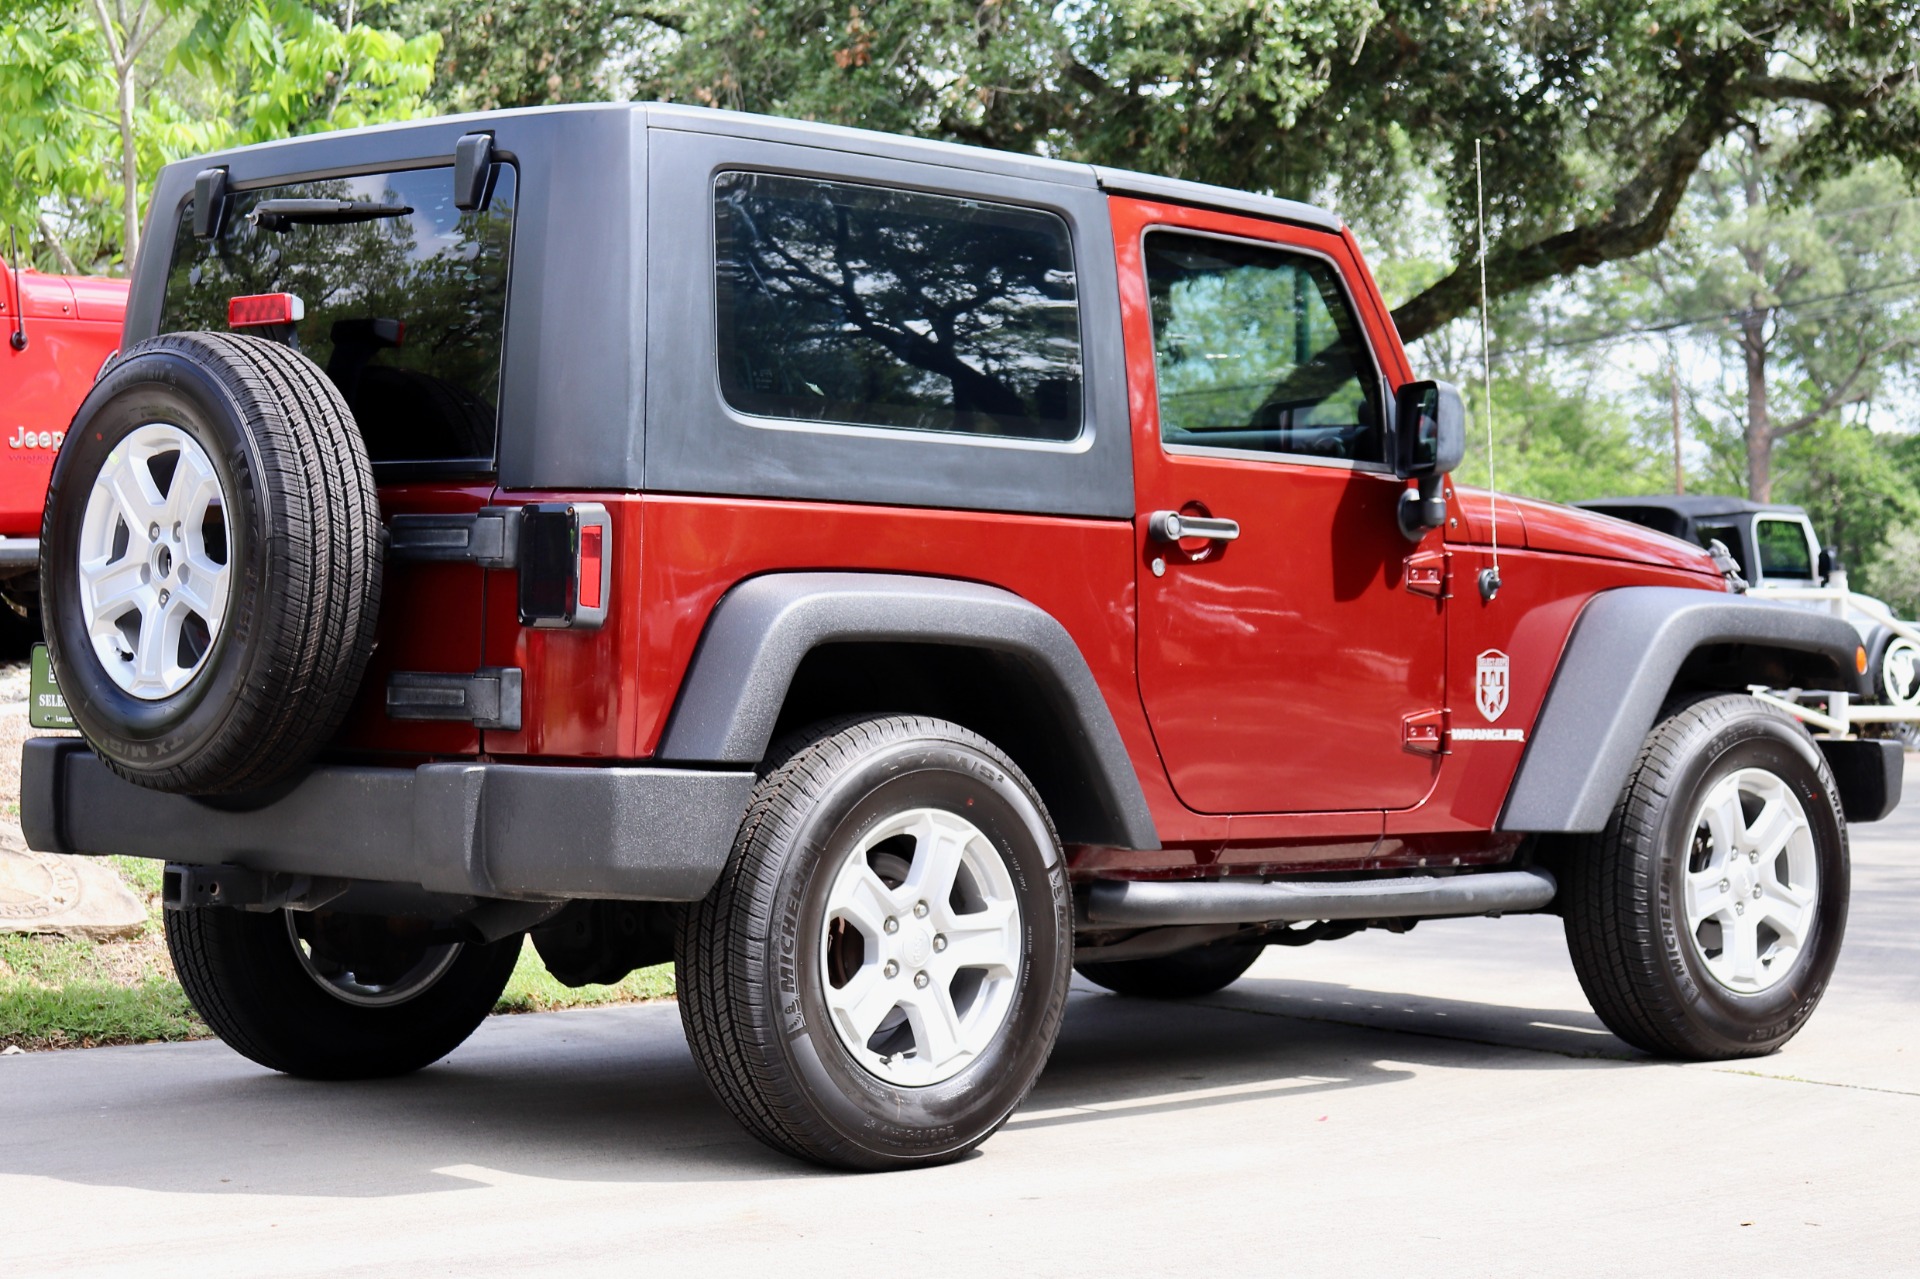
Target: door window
pixel 1258 348
pixel 1784 549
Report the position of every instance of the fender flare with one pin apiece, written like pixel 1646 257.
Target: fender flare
pixel 1618 668
pixel 763 628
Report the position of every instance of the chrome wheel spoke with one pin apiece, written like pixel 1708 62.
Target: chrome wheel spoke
pixel 863 1003
pixel 940 841
pixel 988 939
pixel 114 588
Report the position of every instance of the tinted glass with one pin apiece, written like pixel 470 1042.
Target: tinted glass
pixel 1784 551
pixel 433 278
pixel 1728 536
pixel 877 307
pixel 1257 348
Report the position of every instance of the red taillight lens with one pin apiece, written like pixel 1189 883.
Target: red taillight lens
pixel 592 545
pixel 257 309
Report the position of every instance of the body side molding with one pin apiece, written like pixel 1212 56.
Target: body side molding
pixel 764 627
pixel 1618 667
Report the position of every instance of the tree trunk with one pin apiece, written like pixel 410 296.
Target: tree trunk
pixel 129 169
pixel 1753 345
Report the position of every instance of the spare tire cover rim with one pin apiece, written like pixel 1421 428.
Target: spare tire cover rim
pixel 154 560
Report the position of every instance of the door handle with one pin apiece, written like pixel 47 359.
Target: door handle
pixel 1171 526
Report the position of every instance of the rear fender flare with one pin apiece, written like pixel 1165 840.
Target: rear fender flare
pixel 763 628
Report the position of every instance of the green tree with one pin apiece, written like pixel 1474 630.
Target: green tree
pixel 97 95
pixel 1598 113
pixel 524 53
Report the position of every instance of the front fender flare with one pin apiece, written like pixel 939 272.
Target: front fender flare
pixel 1616 673
pixel 764 627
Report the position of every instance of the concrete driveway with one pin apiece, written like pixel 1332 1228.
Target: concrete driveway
pixel 1439 1103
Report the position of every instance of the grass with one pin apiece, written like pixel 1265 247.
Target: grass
pixel 62 992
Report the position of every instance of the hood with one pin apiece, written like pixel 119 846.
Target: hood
pixel 1562 530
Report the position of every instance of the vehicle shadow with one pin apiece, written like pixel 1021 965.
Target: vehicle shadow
pixel 612 1094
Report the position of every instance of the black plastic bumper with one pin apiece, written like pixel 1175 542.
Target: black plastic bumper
pixel 486 830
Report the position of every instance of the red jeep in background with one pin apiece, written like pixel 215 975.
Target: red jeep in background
pixel 59 330
pixel 883 577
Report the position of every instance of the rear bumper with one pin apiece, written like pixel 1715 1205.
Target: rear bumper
pixel 486 830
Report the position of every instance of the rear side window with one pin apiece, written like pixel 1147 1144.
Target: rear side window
pixel 1257 348
pixel 871 306
pixel 405 303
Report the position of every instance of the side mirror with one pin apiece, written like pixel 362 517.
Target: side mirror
pixel 1429 439
pixel 1829 564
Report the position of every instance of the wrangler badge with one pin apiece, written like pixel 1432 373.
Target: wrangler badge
pixel 1490 684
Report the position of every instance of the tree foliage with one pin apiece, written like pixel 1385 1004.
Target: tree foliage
pixel 1596 115
pixel 91 90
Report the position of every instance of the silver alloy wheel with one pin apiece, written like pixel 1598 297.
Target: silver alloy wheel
pixel 921 952
pixel 1900 672
pixel 1752 881
pixel 154 561
pixel 340 980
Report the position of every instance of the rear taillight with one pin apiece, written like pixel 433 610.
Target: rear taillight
pixel 258 310
pixel 566 564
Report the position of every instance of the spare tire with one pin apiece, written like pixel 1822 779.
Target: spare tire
pixel 210 563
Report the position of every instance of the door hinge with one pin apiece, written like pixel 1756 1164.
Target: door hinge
pixel 488 698
pixel 490 537
pixel 1430 573
pixel 1425 732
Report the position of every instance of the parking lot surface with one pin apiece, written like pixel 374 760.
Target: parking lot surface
pixel 1438 1103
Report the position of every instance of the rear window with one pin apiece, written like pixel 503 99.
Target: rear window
pixel 405 310
pixel 872 306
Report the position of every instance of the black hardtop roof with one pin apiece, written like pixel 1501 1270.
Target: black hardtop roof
pixel 299 156
pixel 1691 505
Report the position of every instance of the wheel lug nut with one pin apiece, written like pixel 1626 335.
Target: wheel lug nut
pixel 1754 857
pixel 165 595
pixel 891 970
pixel 920 980
pixel 1739 908
pixel 892 925
pixel 176 530
pixel 153 532
pixel 919 910
pixel 1756 892
pixel 1723 885
pixel 939 941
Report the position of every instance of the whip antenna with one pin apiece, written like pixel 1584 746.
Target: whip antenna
pixel 1489 577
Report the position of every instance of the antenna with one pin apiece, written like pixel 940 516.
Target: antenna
pixel 18 338
pixel 1489 577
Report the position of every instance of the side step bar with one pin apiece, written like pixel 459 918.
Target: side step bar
pixel 1114 903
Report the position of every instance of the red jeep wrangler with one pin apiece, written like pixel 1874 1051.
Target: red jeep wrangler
pixel 881 576
pixel 59 330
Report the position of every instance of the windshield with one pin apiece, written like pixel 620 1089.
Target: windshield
pixel 405 299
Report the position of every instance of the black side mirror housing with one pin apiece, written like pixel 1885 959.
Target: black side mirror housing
pixel 472 167
pixel 1429 439
pixel 1828 563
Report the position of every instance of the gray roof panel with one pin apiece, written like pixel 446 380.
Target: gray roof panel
pixel 1180 191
